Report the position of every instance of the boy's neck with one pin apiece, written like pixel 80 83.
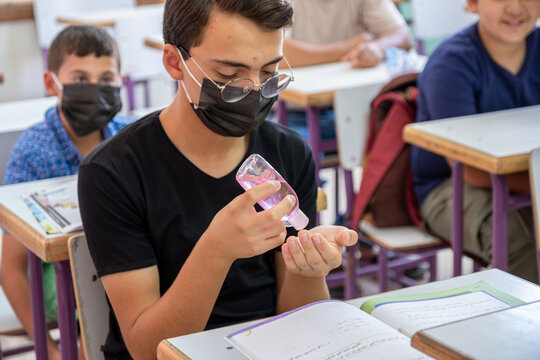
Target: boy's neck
pixel 214 154
pixel 509 56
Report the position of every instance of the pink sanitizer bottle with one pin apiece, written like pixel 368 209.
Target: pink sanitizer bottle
pixel 255 170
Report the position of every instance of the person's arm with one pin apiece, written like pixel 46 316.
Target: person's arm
pixel 305 261
pixel 237 231
pixel 302 53
pixel 16 286
pixel 371 53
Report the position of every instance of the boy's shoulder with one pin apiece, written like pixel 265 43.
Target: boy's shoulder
pixel 121 121
pixel 464 45
pixel 135 135
pixel 38 137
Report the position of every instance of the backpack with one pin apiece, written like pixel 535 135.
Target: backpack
pixel 386 189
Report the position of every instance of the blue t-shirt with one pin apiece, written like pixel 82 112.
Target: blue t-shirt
pixel 44 151
pixel 460 78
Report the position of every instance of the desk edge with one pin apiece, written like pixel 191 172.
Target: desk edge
pixel 154 44
pixel 166 351
pixel 55 249
pixel 62 20
pixel 300 98
pixel 475 158
pixel 427 345
pixel 15 11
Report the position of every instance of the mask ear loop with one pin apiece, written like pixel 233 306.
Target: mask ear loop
pixel 196 106
pixel 56 81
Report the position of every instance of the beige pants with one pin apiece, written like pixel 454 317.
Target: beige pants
pixel 477 230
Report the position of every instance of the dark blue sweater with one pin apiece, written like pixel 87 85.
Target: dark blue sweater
pixel 460 78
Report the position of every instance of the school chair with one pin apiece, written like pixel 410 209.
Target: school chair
pixel 140 64
pixel 46 13
pixel 90 298
pixel 438 19
pixel 410 245
pixel 534 173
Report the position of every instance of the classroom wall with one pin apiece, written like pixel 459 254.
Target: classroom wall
pixel 20 61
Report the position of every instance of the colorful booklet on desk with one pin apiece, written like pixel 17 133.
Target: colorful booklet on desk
pixel 379 329
pixel 56 209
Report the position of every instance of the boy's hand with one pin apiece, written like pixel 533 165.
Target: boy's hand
pixel 365 55
pixel 320 251
pixel 238 231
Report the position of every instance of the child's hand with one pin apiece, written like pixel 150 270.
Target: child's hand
pixel 317 251
pixel 238 231
pixel 365 55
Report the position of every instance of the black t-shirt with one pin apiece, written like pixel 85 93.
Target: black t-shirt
pixel 143 203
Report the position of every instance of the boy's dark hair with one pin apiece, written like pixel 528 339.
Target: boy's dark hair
pixel 80 40
pixel 184 21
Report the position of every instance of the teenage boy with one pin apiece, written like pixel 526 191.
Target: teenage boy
pixel 83 70
pixel 176 241
pixel 489 66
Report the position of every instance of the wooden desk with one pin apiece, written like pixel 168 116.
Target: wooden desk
pixel 107 18
pixel 316 85
pixel 212 344
pixel 154 41
pixel 18 220
pixel 497 142
pixel 507 334
pixel 13 10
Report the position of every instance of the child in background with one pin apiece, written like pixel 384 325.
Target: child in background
pixel 84 72
pixel 491 65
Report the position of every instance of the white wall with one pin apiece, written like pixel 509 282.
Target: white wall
pixel 20 61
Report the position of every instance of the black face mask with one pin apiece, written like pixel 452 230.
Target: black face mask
pixel 90 107
pixel 231 119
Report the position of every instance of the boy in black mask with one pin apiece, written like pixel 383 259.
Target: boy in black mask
pixel 84 72
pixel 176 241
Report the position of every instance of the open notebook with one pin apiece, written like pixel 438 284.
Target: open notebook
pixel 56 208
pixel 380 329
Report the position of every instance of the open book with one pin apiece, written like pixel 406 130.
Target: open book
pixel 56 209
pixel 379 329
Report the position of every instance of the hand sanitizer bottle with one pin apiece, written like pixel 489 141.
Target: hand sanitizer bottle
pixel 255 170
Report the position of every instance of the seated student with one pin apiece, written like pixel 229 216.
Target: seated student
pixel 356 31
pixel 84 72
pixel 491 65
pixel 176 241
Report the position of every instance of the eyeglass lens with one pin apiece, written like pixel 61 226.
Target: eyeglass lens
pixel 240 88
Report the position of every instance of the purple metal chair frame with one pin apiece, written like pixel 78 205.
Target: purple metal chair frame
pixel 402 263
pixel 503 203
pixel 66 308
pixel 130 87
pixel 318 145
